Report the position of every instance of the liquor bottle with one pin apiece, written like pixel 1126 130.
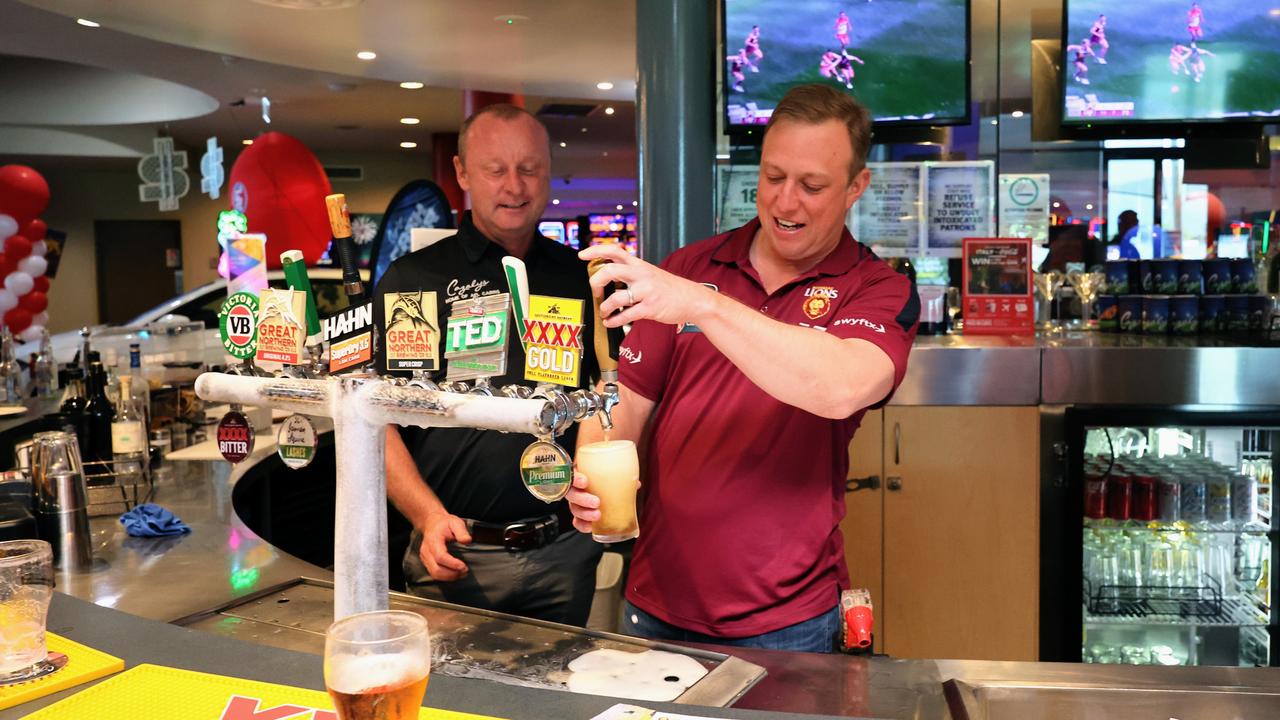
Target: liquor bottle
pixel 45 368
pixel 72 409
pixel 140 388
pixel 128 438
pixel 10 372
pixel 98 417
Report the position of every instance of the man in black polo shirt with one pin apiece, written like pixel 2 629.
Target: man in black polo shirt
pixel 480 538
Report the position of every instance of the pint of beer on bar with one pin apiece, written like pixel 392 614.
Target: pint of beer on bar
pixel 377 665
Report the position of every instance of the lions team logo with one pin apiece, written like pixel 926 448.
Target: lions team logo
pixel 817 301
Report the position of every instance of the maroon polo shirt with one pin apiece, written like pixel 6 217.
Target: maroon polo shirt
pixel 744 493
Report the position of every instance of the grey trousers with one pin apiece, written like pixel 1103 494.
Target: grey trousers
pixel 555 582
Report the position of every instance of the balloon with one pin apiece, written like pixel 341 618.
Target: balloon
pixel 17 320
pixel 24 194
pixel 41 319
pixel 34 302
pixel 8 226
pixel 41 283
pixel 8 301
pixel 33 332
pixel 34 230
pixel 16 247
pixel 280 186
pixel 19 283
pixel 39 248
pixel 33 266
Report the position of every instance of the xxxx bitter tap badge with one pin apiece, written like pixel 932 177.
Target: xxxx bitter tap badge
pixel 546 470
pixel 412 333
pixel 552 339
pixel 282 329
pixel 238 325
pixel 235 437
pixel 476 344
pixel 296 441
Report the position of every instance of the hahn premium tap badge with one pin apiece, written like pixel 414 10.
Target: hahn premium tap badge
pixel 411 334
pixel 296 441
pixel 552 339
pixel 546 470
pixel 282 328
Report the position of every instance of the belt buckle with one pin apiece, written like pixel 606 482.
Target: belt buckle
pixel 520 536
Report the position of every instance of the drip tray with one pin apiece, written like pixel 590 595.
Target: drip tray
pixel 465 642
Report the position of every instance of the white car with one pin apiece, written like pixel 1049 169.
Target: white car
pixel 200 305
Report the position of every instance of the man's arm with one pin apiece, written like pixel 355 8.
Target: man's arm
pixel 418 502
pixel 809 369
pixel 630 418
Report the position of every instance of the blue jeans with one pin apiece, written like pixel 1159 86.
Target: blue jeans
pixel 815 635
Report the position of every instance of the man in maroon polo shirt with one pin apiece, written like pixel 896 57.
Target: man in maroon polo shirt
pixel 751 360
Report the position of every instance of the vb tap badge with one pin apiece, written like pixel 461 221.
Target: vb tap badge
pixel 552 339
pixel 238 325
pixel 296 441
pixel 546 470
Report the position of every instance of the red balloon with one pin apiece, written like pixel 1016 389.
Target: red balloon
pixel 24 194
pixel 280 187
pixel 17 319
pixel 34 302
pixel 16 247
pixel 34 230
pixel 40 284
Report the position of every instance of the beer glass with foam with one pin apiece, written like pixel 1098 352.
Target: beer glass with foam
pixel 613 475
pixel 377 664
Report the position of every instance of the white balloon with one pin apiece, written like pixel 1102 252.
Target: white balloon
pixel 8 226
pixel 33 266
pixel 32 333
pixel 42 319
pixel 39 248
pixel 8 301
pixel 19 283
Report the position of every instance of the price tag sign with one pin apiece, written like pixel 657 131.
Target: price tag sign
pixel 997 286
pixel 410 331
pixel 235 437
pixel 546 470
pixel 238 325
pixel 296 441
pixel 552 339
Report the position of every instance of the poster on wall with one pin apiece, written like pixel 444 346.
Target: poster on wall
pixel 736 195
pixel 961 204
pixel 1024 206
pixel 888 216
pixel 997 286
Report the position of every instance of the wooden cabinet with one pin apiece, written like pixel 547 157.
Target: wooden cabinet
pixel 949 541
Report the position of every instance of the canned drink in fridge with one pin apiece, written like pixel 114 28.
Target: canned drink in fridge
pixel 1244 499
pixel 1119 497
pixel 1164 277
pixel 1218 509
pixel 1143 502
pixel 1146 282
pixel 1118 274
pixel 1259 312
pixel 1170 499
pixel 1194 499
pixel 1190 277
pixel 1155 314
pixel 1108 313
pixel 1130 310
pixel 1244 278
pixel 1212 313
pixel 1237 313
pixel 1095 496
pixel 1217 276
pixel 1184 314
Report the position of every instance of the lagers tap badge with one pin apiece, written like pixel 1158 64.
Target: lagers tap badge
pixel 235 437
pixel 238 325
pixel 817 301
pixel 296 441
pixel 546 470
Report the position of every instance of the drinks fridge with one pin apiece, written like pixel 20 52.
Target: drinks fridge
pixel 1157 543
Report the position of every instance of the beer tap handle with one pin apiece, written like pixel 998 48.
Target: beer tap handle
pixel 340 225
pixel 518 284
pixel 607 340
pixel 295 274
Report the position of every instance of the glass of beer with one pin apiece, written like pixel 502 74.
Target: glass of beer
pixel 377 664
pixel 26 587
pixel 613 475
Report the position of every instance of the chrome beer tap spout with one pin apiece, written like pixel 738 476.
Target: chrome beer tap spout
pixel 482 387
pixel 518 392
pixel 420 380
pixel 563 408
pixel 608 399
pixel 455 386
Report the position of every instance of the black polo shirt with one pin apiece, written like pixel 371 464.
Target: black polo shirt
pixel 476 473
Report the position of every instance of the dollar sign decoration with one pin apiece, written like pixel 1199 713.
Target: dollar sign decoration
pixel 164 179
pixel 211 174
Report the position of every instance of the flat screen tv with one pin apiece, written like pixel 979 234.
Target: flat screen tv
pixel 906 60
pixel 1170 62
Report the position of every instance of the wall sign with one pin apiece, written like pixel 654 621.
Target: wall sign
pixel 997 286
pixel 736 195
pixel 961 204
pixel 163 174
pixel 1024 206
pixel 888 216
pixel 211 173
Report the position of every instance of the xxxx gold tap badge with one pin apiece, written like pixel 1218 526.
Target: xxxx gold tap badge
pixel 546 470
pixel 282 326
pixel 552 338
pixel 817 301
pixel 411 335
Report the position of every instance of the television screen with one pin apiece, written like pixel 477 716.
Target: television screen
pixel 617 229
pixel 553 229
pixel 906 60
pixel 1171 61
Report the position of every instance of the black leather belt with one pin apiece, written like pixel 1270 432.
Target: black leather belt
pixel 527 534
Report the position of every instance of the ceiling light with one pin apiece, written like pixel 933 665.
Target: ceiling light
pixel 564 144
pixel 87 23
pixel 409 121
pixel 408 145
pixel 556 201
pixel 367 55
pixel 1057 204
pixel 511 19
pixel 1016 113
pixel 246 141
pixel 608 111
pixel 604 85
pixel 584 129
pixel 619 207
pixel 635 203
pixel 1088 206
pixel 411 85
pixel 995 122
pixel 1275 12
pixel 605 153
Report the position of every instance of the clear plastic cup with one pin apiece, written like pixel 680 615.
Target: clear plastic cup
pixel 26 587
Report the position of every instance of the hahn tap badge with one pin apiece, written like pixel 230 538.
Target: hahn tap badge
pixel 411 334
pixel 296 441
pixel 552 338
pixel 235 437
pixel 282 329
pixel 238 325
pixel 546 470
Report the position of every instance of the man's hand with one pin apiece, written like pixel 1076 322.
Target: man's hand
pixel 583 505
pixel 440 528
pixel 651 293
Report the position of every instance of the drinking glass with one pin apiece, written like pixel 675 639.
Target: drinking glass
pixel 1087 286
pixel 26 587
pixel 1253 548
pixel 1047 286
pixel 1159 567
pixel 1189 564
pixel 954 300
pixel 377 665
pixel 613 475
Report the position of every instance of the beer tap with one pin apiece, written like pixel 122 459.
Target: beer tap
pixel 420 379
pixel 607 342
pixel 483 386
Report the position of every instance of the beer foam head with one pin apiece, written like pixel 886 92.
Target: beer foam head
pixel 354 674
pixel 607 447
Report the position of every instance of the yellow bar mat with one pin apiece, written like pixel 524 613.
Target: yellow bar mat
pixel 83 664
pixel 155 691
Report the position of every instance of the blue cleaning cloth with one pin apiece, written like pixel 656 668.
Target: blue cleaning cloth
pixel 151 520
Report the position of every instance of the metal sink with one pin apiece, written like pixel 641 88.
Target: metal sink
pixel 1032 702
